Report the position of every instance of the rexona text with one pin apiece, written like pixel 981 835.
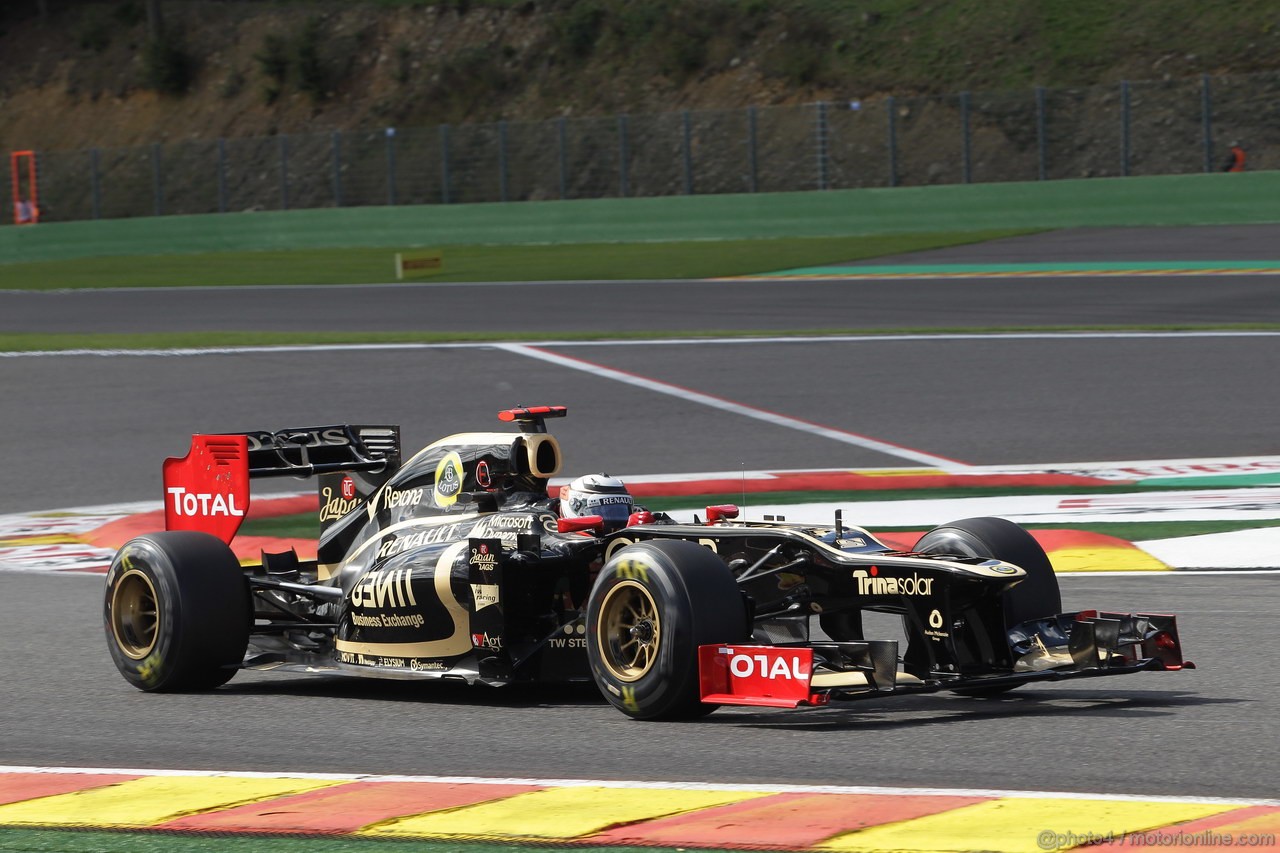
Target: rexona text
pixel 201 503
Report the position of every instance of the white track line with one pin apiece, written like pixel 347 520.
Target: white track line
pixel 689 395
pixel 669 786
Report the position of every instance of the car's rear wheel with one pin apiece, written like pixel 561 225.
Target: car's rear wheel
pixel 176 612
pixel 1035 597
pixel 651 607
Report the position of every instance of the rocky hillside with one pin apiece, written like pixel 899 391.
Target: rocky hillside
pixel 81 74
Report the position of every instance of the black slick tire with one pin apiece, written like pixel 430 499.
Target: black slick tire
pixel 176 611
pixel 998 538
pixel 652 605
pixel 1037 596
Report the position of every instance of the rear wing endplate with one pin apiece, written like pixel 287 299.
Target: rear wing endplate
pixel 208 489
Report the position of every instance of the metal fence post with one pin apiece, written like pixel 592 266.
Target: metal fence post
pixel 821 131
pixel 1125 121
pixel 391 166
pixel 1206 121
pixel 624 183
pixel 444 163
pixel 95 183
pixel 222 175
pixel 284 171
pixel 502 159
pixel 753 170
pixel 891 105
pixel 1042 133
pixel 687 148
pixel 337 168
pixel 157 177
pixel 563 156
pixel 966 137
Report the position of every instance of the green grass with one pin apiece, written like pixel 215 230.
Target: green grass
pixel 305 525
pixel 694 259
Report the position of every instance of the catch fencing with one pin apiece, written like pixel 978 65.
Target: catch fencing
pixel 1133 128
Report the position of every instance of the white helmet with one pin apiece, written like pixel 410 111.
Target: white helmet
pixel 597 494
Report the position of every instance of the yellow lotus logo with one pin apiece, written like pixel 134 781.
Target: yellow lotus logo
pixel 448 480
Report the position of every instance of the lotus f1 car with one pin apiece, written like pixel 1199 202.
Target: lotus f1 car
pixel 455 564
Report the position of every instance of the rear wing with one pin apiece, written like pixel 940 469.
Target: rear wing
pixel 310 451
pixel 208 489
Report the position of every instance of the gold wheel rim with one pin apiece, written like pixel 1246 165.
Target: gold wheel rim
pixel 135 618
pixel 630 632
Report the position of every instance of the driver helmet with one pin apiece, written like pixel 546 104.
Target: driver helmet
pixel 597 494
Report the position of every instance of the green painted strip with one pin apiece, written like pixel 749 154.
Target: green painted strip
pixel 1212 481
pixel 1201 199
pixel 1045 267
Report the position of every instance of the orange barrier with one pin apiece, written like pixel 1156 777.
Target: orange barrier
pixel 26 191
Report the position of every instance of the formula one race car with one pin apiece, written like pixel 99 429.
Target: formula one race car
pixel 457 564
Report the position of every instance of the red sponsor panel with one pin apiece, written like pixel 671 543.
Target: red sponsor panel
pixel 770 676
pixel 208 489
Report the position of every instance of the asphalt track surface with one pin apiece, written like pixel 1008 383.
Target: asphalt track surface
pixel 86 430
pixel 83 430
pixel 1209 732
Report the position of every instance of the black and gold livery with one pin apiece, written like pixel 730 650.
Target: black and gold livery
pixel 455 563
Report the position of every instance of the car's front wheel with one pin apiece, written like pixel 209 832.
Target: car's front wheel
pixel 652 605
pixel 1035 597
pixel 176 611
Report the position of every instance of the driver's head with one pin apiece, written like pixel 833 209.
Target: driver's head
pixel 597 494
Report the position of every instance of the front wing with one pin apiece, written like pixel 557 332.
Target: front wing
pixel 1088 644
